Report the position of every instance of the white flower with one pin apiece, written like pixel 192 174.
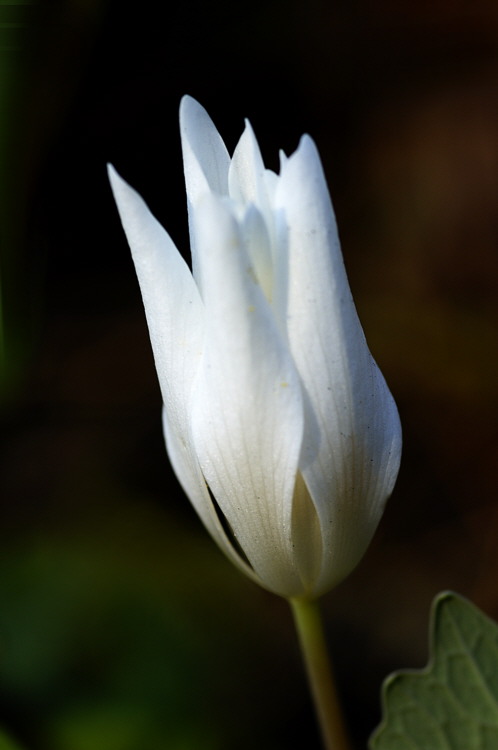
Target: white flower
pixel 278 423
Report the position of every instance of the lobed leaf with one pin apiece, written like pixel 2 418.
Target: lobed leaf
pixel 452 704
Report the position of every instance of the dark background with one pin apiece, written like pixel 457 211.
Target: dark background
pixel 121 625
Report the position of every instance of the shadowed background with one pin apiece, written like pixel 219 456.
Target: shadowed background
pixel 121 625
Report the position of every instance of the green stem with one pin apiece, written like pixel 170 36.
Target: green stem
pixel 314 650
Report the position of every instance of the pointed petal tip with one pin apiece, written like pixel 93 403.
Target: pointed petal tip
pixel 112 174
pixel 305 153
pixel 247 125
pixel 190 109
pixel 306 149
pixel 304 168
pixel 120 188
pixel 125 196
pixel 188 101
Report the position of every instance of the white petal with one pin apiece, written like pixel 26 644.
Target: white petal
pixel 257 242
pixel 171 299
pixel 307 542
pixel 246 174
pixel 271 180
pixel 205 160
pixel 175 318
pixel 186 467
pixel 352 440
pixel 249 181
pixel 247 413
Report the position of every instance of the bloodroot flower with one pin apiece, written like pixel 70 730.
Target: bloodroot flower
pixel 278 423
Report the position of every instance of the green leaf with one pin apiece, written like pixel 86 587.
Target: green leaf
pixel 452 704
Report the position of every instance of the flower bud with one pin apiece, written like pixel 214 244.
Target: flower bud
pixel 278 423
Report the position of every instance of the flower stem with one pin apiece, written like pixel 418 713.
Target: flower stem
pixel 309 627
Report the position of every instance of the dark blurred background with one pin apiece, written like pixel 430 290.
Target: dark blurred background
pixel 121 625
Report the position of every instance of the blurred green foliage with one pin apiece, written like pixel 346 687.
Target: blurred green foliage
pixel 120 649
pixel 7 744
